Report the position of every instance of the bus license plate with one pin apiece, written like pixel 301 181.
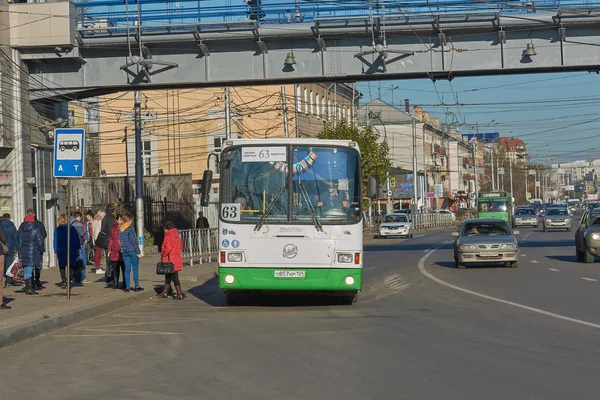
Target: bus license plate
pixel 488 254
pixel 290 274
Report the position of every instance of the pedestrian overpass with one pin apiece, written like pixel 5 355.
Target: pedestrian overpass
pixel 101 46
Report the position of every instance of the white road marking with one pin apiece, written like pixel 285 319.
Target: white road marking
pixel 535 262
pixel 523 255
pixel 553 269
pixel 496 299
pixel 589 279
pixel 418 236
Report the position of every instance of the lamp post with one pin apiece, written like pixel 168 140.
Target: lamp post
pixel 388 205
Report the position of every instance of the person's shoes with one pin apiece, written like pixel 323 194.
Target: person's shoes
pixel 83 282
pixel 29 287
pixel 179 293
pixel 165 292
pixel 127 290
pixel 4 307
pixel 138 289
pixel 100 271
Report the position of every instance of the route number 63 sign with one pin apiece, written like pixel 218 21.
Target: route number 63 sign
pixel 230 211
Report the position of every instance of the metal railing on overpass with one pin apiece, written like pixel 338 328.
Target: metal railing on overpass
pixel 199 245
pixel 153 16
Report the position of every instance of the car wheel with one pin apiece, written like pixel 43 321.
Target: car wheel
pixel 382 237
pixel 545 230
pixel 568 229
pixel 459 265
pixel 578 254
pixel 514 264
pixel 350 299
pixel 410 235
pixel 588 257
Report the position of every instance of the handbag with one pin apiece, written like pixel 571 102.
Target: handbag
pixel 3 248
pixel 16 271
pixel 165 268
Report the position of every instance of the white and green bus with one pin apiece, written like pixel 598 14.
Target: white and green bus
pixel 290 217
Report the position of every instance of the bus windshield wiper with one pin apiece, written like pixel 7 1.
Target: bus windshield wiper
pixel 311 209
pixel 263 219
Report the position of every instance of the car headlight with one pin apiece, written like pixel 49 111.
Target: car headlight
pixel 595 236
pixel 508 246
pixel 468 247
pixel 235 257
pixel 547 221
pixel 567 220
pixel 344 258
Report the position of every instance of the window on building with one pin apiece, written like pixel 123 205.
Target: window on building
pixel 312 103
pixel 298 100
pixel 318 104
pixel 329 109
pixel 147 156
pixel 305 100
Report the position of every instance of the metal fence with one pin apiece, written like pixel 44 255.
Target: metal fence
pixel 432 220
pixel 200 245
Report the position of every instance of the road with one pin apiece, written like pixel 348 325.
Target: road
pixel 415 334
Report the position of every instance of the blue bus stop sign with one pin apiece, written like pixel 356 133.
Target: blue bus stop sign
pixel 69 152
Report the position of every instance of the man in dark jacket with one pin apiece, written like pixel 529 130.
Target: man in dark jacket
pixel 11 242
pixel 75 222
pixel 37 271
pixel 105 229
pixel 3 241
pixel 30 246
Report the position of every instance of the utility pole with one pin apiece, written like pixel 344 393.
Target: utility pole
pixel 139 169
pixel 511 180
pixel 525 167
pixel 475 165
pixel 492 157
pixel 297 104
pixel 414 138
pixel 286 133
pixel 227 114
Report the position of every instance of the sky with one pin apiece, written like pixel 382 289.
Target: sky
pixel 557 115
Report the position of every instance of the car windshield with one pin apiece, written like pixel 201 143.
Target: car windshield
pixel 492 205
pixel 557 211
pixel 395 218
pixel 486 228
pixel 525 212
pixel 596 221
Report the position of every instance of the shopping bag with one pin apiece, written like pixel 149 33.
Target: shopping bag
pixel 16 271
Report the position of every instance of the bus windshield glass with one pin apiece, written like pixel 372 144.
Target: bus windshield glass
pixel 489 205
pixel 325 182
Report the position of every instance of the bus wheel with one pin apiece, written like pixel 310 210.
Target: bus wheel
pixel 235 297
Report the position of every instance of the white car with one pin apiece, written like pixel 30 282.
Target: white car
pixel 396 224
pixel 446 212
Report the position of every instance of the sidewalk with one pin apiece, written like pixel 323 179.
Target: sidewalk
pixel 49 310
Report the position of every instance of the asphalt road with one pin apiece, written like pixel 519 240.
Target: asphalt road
pixel 411 336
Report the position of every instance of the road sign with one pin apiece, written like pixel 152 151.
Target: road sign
pixel 528 195
pixel 69 152
pixel 389 193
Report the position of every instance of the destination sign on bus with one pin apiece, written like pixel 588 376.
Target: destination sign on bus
pixel 264 154
pixel 493 194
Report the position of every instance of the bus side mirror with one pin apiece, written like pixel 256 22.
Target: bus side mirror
pixel 373 187
pixel 206 186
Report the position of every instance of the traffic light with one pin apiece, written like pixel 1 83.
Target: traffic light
pixel 206 186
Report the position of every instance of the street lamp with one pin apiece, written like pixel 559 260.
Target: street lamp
pixel 388 205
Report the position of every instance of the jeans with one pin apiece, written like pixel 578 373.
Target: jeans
pixel 83 258
pixel 28 272
pixel 132 263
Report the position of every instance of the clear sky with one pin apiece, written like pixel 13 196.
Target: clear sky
pixel 556 114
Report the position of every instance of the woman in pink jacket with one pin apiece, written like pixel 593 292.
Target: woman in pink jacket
pixel 171 251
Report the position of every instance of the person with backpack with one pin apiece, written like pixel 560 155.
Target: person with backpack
pixel 30 246
pixel 130 249
pixel 171 252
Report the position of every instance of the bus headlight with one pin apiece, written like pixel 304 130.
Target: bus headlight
pixel 595 236
pixel 344 258
pixel 229 279
pixel 235 257
pixel 349 280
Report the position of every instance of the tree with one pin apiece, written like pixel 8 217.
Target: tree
pixel 374 153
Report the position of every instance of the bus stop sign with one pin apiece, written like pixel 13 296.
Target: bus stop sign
pixel 69 152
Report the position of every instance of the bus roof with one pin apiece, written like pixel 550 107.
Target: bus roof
pixel 292 141
pixel 487 195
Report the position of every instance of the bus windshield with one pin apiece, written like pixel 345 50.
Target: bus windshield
pixel 325 183
pixel 489 205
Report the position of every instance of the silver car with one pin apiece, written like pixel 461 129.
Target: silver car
pixel 557 218
pixel 483 241
pixel 525 217
pixel 397 224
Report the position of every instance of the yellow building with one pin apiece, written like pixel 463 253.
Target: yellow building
pixel 181 127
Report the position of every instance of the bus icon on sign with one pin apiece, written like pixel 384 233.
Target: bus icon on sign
pixel 68 145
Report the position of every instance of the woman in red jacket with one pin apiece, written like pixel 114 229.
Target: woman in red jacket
pixel 115 256
pixel 171 252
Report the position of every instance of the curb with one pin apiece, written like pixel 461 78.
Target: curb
pixel 31 330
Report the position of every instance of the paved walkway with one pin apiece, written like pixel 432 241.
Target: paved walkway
pixel 50 310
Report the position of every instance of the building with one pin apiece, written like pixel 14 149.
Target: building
pixel 439 182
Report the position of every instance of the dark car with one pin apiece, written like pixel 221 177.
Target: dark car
pixel 587 236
